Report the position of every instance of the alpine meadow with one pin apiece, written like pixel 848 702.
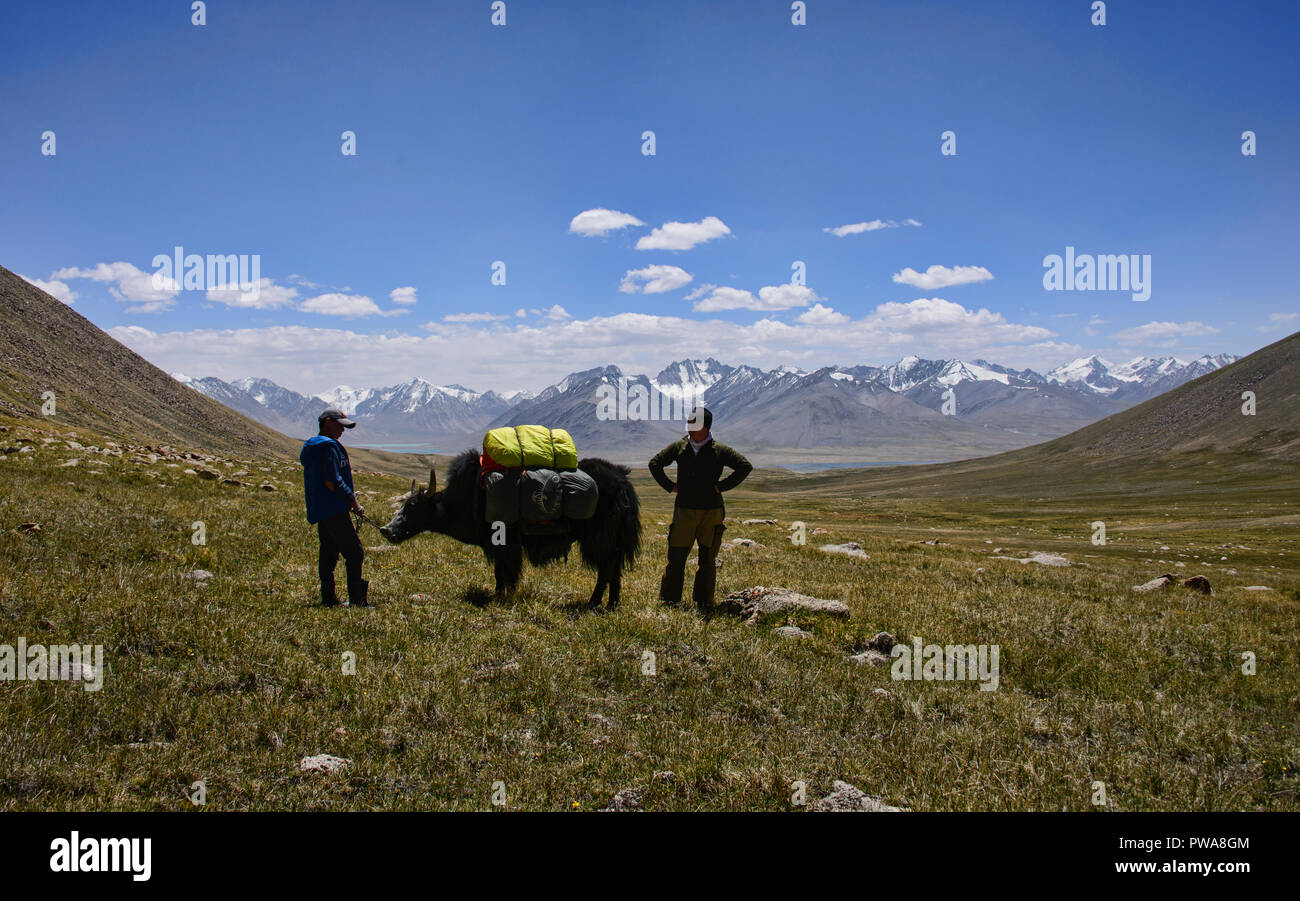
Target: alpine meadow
pixel 423 424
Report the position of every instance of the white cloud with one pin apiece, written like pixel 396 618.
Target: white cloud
pixel 349 305
pixel 600 221
pixel 1164 332
pixel 473 317
pixel 773 297
pixel 937 277
pixel 683 235
pixel 404 297
pixel 858 228
pixel 952 322
pixel 266 296
pixel 1282 317
pixel 821 315
pixel 55 288
pixel 654 280
pixel 150 292
pixel 536 352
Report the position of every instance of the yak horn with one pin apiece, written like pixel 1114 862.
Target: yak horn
pixel 412 486
pixel 433 479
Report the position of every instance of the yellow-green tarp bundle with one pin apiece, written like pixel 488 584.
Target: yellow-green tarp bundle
pixel 531 446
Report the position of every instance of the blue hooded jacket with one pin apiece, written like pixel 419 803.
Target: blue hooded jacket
pixel 324 460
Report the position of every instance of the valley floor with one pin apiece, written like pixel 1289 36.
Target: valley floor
pixel 235 678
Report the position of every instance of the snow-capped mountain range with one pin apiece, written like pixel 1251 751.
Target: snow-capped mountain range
pixel 996 407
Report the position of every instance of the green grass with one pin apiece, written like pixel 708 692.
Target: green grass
pixel 239 679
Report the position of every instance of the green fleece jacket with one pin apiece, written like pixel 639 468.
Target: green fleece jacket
pixel 699 475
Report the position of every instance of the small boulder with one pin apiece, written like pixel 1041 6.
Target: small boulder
pixel 759 601
pixel 882 642
pixel 758 522
pixel 870 658
pixel 791 632
pixel 627 799
pixel 846 797
pixel 324 763
pixel 848 549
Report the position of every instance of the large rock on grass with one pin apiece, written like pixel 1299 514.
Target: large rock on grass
pixel 755 603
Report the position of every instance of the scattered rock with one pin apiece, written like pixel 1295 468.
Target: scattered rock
pixel 145 745
pixel 1040 558
pixel 1255 588
pixel 30 527
pixel 324 763
pixel 881 692
pixel 666 777
pixel 1197 583
pixel 849 549
pixel 758 522
pixel 627 799
pixel 791 632
pixel 845 797
pixel 743 542
pixel 206 474
pixel 871 658
pixel 71 463
pixel 266 486
pixel 882 642
pixel 601 720
pixel 198 575
pixel 757 602
pixel 821 531
pixel 235 482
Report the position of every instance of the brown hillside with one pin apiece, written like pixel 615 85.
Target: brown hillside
pixel 101 385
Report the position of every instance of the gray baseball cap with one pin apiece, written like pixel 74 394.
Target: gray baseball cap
pixel 337 415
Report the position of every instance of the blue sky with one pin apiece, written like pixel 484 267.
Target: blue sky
pixel 478 143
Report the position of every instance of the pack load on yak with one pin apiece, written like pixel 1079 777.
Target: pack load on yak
pixel 531 476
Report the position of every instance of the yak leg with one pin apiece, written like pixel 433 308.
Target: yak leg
pixel 602 580
pixel 507 564
pixel 615 584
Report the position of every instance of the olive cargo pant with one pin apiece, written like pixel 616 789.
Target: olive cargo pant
pixel 689 527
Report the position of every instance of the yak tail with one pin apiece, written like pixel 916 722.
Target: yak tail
pixel 614 533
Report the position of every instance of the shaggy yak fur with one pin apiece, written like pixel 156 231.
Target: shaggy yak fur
pixel 607 541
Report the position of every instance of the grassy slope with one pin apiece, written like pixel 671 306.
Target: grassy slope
pixel 240 679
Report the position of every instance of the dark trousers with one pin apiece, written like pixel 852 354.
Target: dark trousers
pixel 338 537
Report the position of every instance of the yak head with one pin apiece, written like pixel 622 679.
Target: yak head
pixel 418 513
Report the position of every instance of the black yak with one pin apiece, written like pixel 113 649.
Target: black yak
pixel 607 541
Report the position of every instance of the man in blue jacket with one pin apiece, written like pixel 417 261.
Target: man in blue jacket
pixel 327 484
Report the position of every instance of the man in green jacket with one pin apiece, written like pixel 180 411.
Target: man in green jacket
pixel 699 512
